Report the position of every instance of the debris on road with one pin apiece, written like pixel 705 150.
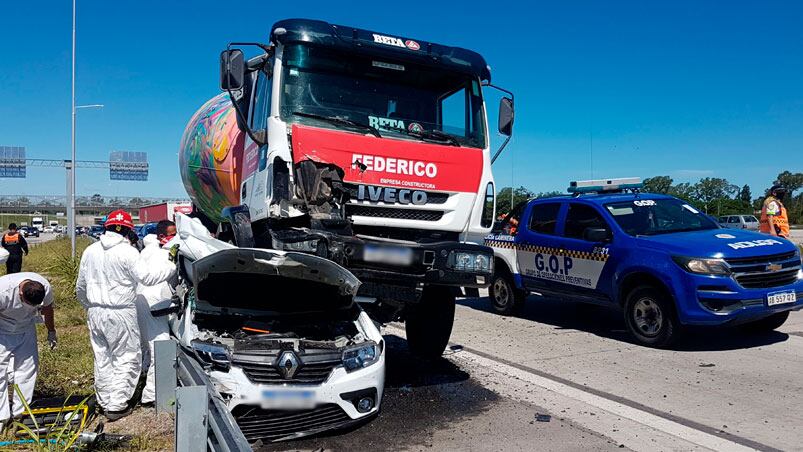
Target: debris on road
pixel 707 365
pixel 542 417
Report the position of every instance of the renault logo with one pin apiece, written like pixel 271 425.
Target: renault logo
pixel 774 267
pixel 287 364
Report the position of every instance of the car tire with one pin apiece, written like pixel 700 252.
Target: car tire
pixel 429 322
pixel 767 324
pixel 506 298
pixel 650 317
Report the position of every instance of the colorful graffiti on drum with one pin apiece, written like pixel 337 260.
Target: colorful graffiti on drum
pixel 210 156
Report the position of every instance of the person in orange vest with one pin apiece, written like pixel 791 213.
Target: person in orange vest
pixel 774 220
pixel 15 244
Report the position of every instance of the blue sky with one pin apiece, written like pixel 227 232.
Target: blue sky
pixel 685 88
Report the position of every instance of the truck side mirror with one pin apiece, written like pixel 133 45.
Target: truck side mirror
pixel 506 115
pixel 597 235
pixel 232 69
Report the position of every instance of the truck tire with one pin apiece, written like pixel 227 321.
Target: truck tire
pixel 650 317
pixel 506 298
pixel 767 324
pixel 429 323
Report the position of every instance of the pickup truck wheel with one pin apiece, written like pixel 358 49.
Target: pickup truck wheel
pixel 506 299
pixel 429 323
pixel 766 324
pixel 650 317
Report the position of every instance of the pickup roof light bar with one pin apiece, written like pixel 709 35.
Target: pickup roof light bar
pixel 605 185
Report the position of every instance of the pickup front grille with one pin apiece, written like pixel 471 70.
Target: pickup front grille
pixel 765 272
pixel 393 213
pixel 270 425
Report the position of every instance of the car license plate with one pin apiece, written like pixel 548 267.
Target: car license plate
pixel 777 298
pixel 288 400
pixel 388 255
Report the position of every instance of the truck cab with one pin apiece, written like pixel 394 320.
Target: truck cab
pixel 657 258
pixel 364 148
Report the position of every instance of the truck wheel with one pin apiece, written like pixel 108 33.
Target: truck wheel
pixel 506 299
pixel 429 324
pixel 767 324
pixel 650 317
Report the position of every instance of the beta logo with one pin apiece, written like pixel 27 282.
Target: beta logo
pixel 415 127
pixel 396 42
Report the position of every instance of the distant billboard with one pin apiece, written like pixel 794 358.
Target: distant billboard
pixel 126 165
pixel 12 161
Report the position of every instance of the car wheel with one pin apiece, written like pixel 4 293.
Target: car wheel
pixel 767 324
pixel 506 299
pixel 650 317
pixel 429 323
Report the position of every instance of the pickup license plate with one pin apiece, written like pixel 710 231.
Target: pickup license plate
pixel 288 400
pixel 777 298
pixel 391 255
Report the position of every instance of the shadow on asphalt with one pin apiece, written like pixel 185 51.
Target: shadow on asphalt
pixel 420 398
pixel 608 323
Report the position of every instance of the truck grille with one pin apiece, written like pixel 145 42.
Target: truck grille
pixel 268 373
pixel 433 197
pixel 270 425
pixel 755 272
pixel 393 213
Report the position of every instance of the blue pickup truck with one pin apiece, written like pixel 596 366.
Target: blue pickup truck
pixel 660 260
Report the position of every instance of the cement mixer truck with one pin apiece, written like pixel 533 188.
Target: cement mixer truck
pixel 368 149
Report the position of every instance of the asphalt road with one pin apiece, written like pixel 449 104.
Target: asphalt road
pixel 719 389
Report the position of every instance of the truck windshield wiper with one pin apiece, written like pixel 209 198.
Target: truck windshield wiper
pixel 340 121
pixel 435 135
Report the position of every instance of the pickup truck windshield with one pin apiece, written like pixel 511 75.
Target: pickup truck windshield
pixel 400 99
pixel 658 216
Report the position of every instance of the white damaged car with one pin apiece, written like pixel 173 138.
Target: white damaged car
pixel 279 334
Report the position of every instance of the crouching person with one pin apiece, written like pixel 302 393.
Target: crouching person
pixel 23 297
pixel 107 288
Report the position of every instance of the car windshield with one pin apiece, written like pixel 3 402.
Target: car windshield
pixel 398 98
pixel 658 216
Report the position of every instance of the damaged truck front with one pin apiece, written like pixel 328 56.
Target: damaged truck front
pixel 370 150
pixel 279 335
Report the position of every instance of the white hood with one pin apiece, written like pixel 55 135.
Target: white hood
pixel 111 239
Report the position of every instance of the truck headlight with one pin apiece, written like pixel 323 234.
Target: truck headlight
pixel 361 356
pixel 469 261
pixel 217 355
pixel 703 266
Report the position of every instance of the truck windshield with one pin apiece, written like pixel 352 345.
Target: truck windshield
pixel 658 216
pixel 398 98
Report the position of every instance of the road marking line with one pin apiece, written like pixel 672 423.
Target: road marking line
pixel 676 426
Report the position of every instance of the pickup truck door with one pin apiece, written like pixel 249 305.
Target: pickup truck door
pixel 583 245
pixel 535 242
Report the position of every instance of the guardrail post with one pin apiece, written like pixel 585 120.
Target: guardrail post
pixel 165 375
pixel 192 406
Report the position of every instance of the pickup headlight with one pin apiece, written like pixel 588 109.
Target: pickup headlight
pixel 470 261
pixel 703 266
pixel 361 356
pixel 216 355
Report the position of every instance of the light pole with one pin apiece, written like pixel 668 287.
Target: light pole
pixel 71 166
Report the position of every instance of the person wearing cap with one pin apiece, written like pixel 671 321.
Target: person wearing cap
pixel 108 276
pixel 774 220
pixel 15 244
pixel 24 299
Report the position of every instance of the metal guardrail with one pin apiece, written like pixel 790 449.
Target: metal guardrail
pixel 203 422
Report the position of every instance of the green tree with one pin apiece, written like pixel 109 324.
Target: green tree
pixel 745 195
pixel 658 184
pixel 709 190
pixel 792 181
pixel 520 194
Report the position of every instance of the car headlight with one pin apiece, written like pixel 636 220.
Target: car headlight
pixel 361 356
pixel 703 266
pixel 469 261
pixel 217 355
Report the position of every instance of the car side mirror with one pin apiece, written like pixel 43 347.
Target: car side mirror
pixel 597 235
pixel 232 69
pixel 506 115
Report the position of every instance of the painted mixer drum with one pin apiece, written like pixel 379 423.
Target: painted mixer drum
pixel 211 156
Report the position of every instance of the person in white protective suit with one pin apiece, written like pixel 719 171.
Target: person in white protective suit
pixel 24 299
pixel 154 298
pixel 107 282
